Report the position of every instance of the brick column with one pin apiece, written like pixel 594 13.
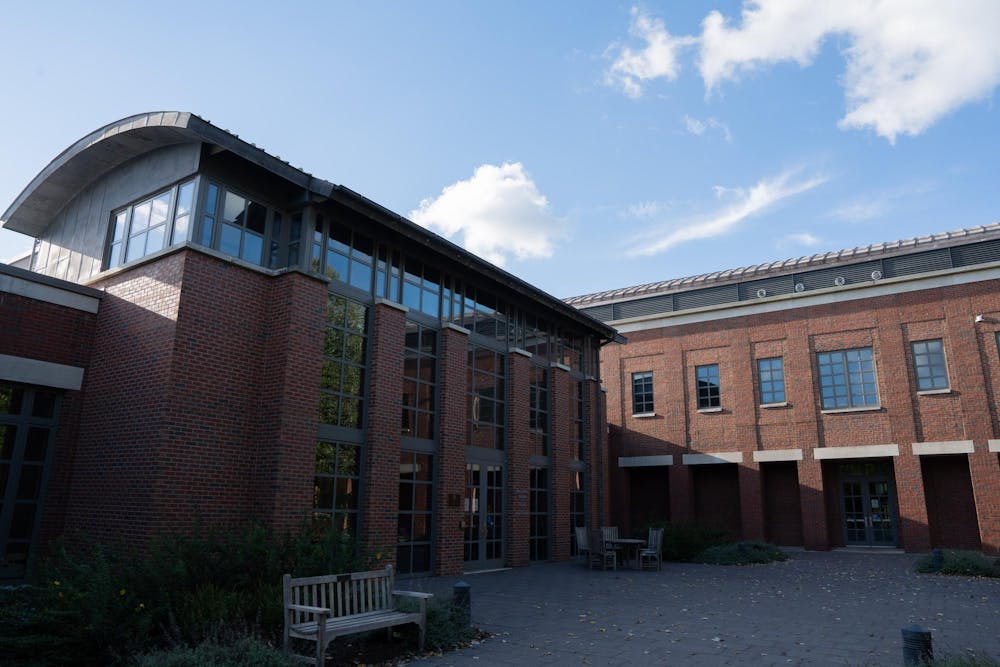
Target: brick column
pixel 984 467
pixel 596 454
pixel 812 498
pixel 914 530
pixel 518 454
pixel 289 400
pixel 449 479
pixel 562 406
pixel 751 500
pixel 380 494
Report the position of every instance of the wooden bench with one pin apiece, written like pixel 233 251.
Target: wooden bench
pixel 323 608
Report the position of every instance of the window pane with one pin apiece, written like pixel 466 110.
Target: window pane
pixel 140 217
pixel 229 242
pixel 154 240
pixel 253 246
pixel 256 217
pixel 232 211
pixel 160 208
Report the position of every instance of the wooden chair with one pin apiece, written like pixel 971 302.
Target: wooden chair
pixel 652 551
pixel 611 533
pixel 599 553
pixel 581 542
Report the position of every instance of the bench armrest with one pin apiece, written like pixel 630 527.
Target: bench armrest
pixel 306 608
pixel 413 594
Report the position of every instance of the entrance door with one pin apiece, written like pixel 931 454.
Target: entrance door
pixel 868 501
pixel 483 516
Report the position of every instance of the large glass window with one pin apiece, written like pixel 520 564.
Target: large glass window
pixel 27 429
pixel 579 419
pixel 486 398
pixel 847 379
pixel 707 378
pixel 771 380
pixel 642 393
pixel 342 384
pixel 419 381
pixel 237 226
pixel 928 364
pixel 150 225
pixel 538 414
pixel 413 548
pixel 538 540
pixel 335 495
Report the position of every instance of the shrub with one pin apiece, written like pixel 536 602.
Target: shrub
pixel 683 542
pixel 246 652
pixel 962 563
pixel 90 604
pixel 448 625
pixel 963 660
pixel 742 553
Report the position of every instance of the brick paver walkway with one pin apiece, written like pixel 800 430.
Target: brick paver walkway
pixel 838 608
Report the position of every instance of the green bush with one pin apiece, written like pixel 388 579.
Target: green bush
pixel 90 604
pixel 962 563
pixel 447 625
pixel 742 553
pixel 246 652
pixel 683 542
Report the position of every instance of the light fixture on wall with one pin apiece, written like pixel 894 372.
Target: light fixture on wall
pixel 983 318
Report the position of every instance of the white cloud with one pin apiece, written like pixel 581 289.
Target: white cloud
pixel 879 204
pixel 803 239
pixel 909 62
pixel 498 212
pixel 698 127
pixel 747 202
pixel 657 59
pixel 645 209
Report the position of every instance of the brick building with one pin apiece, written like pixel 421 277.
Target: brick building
pixel 842 399
pixel 207 333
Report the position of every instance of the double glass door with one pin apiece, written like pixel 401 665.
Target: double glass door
pixel 868 503
pixel 484 518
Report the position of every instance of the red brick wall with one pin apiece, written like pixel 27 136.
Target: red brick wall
pixel 889 324
pixel 782 503
pixel 518 453
pixel 57 334
pixel 449 480
pixel 950 502
pixel 380 484
pixel 562 449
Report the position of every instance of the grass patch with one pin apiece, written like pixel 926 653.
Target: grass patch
pixel 742 553
pixel 962 660
pixel 960 563
pixel 245 652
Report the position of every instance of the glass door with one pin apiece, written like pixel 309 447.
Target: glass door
pixel 484 519
pixel 868 503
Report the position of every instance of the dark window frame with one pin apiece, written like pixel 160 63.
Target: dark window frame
pixel 174 227
pixel 771 380
pixel 841 373
pixel 930 367
pixel 343 364
pixel 642 393
pixel 708 386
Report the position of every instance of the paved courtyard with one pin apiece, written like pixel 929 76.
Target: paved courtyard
pixel 839 608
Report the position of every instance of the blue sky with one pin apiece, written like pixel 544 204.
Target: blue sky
pixel 585 146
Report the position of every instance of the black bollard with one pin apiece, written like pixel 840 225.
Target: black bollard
pixel 917 645
pixel 462 597
pixel 937 558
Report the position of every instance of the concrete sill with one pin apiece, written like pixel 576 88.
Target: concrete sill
pixel 709 410
pixel 867 408
pixel 643 415
pixel 932 392
pixel 769 406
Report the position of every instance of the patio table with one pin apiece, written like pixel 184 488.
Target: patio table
pixel 629 545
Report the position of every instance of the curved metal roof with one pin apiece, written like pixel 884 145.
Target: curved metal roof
pixel 114 144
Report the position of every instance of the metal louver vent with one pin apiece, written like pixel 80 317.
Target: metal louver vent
pixel 921 262
pixel 602 313
pixel 976 253
pixel 709 296
pixel 641 307
pixel 851 273
pixel 774 286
